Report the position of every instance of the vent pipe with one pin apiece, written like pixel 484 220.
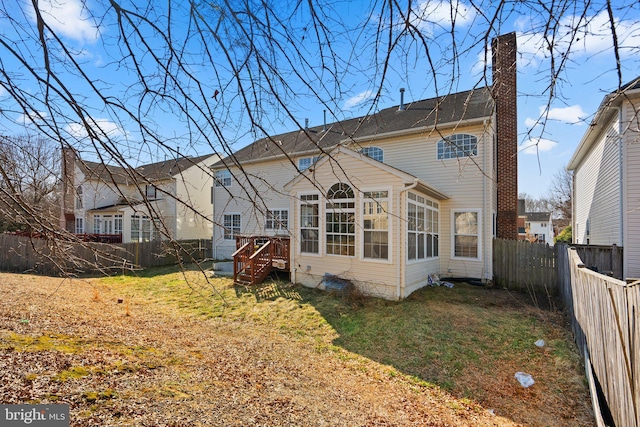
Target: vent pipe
pixel 324 127
pixel 401 107
pixel 306 123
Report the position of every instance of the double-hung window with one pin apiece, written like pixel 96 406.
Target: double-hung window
pixel 465 234
pixel 97 222
pixel 375 205
pixel 277 219
pixel 309 223
pixel 79 225
pixel 223 178
pixel 231 223
pixel 305 162
pixel 340 221
pixel 79 201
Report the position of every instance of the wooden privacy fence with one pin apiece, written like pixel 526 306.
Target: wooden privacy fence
pixel 52 257
pixel 524 266
pixel 605 319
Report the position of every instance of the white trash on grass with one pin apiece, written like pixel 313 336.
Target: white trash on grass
pixel 525 380
pixel 539 343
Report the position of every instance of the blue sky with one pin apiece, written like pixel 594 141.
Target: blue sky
pixel 549 133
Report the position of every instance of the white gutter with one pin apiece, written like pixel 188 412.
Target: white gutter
pixel 484 202
pixel 620 177
pixel 401 278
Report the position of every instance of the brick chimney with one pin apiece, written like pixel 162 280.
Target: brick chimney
pixel 67 217
pixel 504 95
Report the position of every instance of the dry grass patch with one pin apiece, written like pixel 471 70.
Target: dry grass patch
pixel 178 348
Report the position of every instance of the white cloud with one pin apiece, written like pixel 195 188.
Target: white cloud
pixel 32 118
pixel 538 145
pixel 573 115
pixel 101 128
pixel 69 18
pixel 431 14
pixel 593 36
pixel 355 100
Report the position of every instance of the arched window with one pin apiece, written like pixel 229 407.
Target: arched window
pixel 340 220
pixel 457 146
pixel 375 153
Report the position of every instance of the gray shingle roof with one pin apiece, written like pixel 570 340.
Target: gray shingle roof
pixel 452 108
pixel 153 172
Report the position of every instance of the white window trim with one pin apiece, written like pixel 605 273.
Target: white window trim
pixel 364 151
pixel 458 157
pixel 278 230
pixel 219 181
pixel 321 221
pixel 453 234
pixel 406 229
pixel 312 160
pixel 233 238
pixel 360 226
pixel 356 229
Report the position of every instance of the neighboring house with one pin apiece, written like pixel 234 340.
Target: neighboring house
pixel 606 178
pixel 534 226
pixel 169 199
pixel 387 199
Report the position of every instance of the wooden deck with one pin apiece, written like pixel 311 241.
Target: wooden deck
pixel 256 256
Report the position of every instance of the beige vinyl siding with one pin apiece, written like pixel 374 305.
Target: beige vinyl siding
pixel 466 181
pixel 254 190
pixel 374 277
pixel 632 190
pixel 194 211
pixel 597 196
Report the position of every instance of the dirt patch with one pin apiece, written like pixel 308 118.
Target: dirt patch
pixel 119 358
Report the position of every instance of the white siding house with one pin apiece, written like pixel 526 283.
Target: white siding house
pixel 606 174
pixel 169 199
pixel 383 200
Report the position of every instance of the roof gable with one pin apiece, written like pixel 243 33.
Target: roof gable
pixel 337 152
pixel 154 172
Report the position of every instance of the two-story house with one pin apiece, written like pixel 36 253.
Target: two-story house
pixel 606 177
pixel 383 200
pixel 168 199
pixel 535 227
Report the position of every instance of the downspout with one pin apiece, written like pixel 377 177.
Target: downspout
pixel 484 203
pixel 401 261
pixel 292 251
pixel 214 250
pixel 620 176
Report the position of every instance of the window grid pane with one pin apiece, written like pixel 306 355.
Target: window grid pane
pixel 457 146
pixel 309 224
pixel 375 225
pixel 340 221
pixel 466 234
pixel 422 228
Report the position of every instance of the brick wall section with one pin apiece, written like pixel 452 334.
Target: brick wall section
pixel 504 93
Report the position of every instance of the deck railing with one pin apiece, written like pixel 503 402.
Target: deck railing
pixel 256 256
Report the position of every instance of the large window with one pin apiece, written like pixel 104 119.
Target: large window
pixel 457 146
pixel 142 229
pixel 305 162
pixel 375 206
pixel 340 221
pixel 151 191
pixel 277 219
pixel 97 224
pixel 79 225
pixel 309 223
pixel 223 178
pixel 375 153
pixel 465 234
pixel 231 226
pixel 423 228
pixel 117 224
